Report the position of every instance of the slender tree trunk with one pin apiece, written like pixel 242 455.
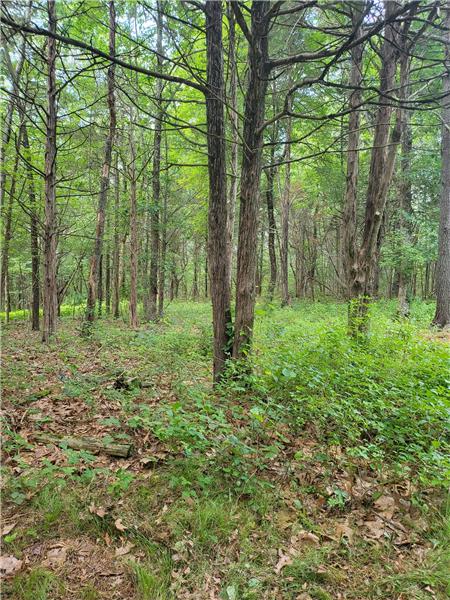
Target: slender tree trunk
pixel 133 238
pixel 380 176
pixel 156 181
pixel 285 210
pixel 116 249
pixel 7 128
pixel 163 257
pixel 108 282
pixel 234 120
pixel 250 177
pixel 195 290
pixel 350 203
pixel 104 182
pixel 100 287
pixel 34 237
pixel 442 315
pixel 50 289
pixel 272 229
pixel 218 254
pixel 405 197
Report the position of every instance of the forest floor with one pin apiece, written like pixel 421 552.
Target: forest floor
pixel 319 475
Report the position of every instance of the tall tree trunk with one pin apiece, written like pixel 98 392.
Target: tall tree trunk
pixel 116 251
pixel 7 237
pixel 380 176
pixel 156 175
pixel 100 286
pixel 350 203
pixel 442 315
pixel 195 291
pixel 405 198
pixel 163 257
pixel 104 182
pixel 218 255
pixel 250 176
pixel 234 120
pixel 133 237
pixel 34 238
pixel 272 229
pixel 285 209
pixel 7 128
pixel 108 282
pixel 50 288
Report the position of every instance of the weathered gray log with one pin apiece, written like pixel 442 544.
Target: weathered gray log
pixel 85 443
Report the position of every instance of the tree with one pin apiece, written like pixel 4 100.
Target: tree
pixel 442 315
pixel 49 288
pixel 218 256
pixel 104 182
pixel 156 175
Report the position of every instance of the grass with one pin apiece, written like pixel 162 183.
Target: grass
pixel 223 482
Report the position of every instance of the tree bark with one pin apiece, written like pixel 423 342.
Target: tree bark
pixel 272 230
pixel 234 120
pixel 285 210
pixel 116 250
pixel 108 281
pixel 34 237
pixel 442 315
pixel 258 72
pixel 405 201
pixel 104 182
pixel 50 289
pixel 163 257
pixel 7 128
pixel 350 203
pixel 380 176
pixel 218 255
pixel 133 236
pixel 156 181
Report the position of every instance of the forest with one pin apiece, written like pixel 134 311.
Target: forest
pixel 225 299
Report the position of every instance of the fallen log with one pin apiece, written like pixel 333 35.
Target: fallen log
pixel 90 444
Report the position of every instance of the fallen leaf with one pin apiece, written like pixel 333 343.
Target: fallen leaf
pixel 9 565
pixel 56 556
pixel 119 525
pixel 284 560
pixel 309 538
pixel 97 510
pixel 8 528
pixel 124 549
pixel 385 505
pixel 344 530
pixel 376 528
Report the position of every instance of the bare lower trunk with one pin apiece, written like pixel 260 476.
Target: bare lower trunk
pixel 7 236
pixel 108 282
pixel 162 260
pixel 50 290
pixel 116 250
pixel 156 182
pixel 100 287
pixel 380 176
pixel 272 230
pixel 406 212
pixel 250 178
pixel 218 255
pixel 285 209
pixel 442 315
pixel 234 120
pixel 34 241
pixel 7 128
pixel 350 203
pixel 104 182
pixel 133 244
